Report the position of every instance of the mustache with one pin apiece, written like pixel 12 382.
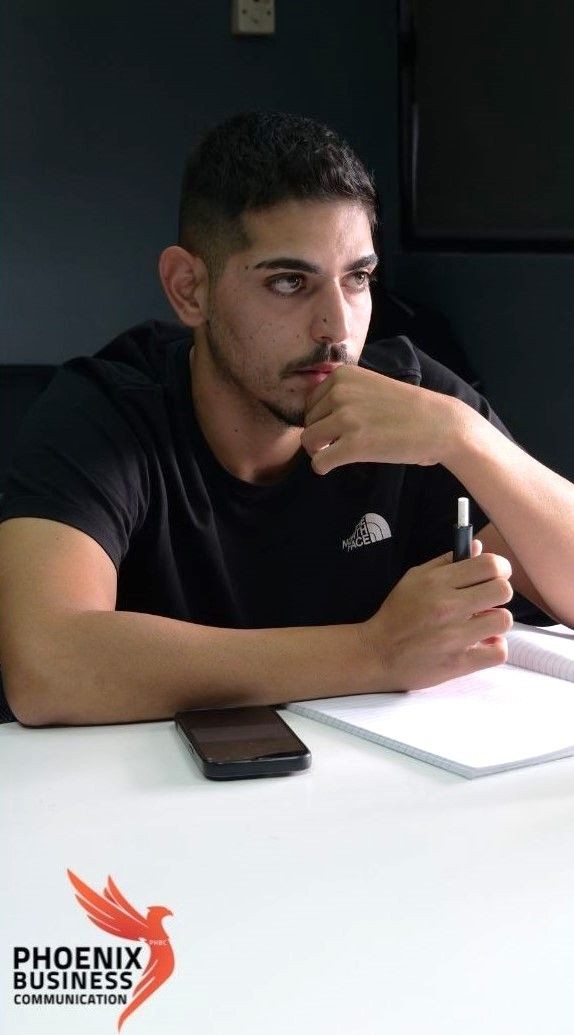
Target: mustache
pixel 322 354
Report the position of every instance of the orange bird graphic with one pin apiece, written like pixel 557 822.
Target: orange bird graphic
pixel 113 913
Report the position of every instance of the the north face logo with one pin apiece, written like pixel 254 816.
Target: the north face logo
pixel 371 529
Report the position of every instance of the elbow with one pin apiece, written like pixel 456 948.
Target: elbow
pixel 28 698
pixel 40 674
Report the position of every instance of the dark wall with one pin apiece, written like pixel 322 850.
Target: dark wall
pixel 104 105
pixel 495 151
pixel 514 315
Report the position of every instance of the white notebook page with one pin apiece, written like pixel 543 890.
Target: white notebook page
pixel 495 719
pixel 549 650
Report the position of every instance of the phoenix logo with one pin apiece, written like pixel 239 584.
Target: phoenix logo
pixel 114 914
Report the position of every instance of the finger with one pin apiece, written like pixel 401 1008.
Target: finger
pixel 489 625
pixel 487 655
pixel 332 456
pixel 486 595
pixel 446 558
pixel 317 412
pixel 480 569
pixel 318 403
pixel 479 656
pixel 320 434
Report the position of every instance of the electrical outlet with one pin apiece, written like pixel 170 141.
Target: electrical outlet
pixel 253 17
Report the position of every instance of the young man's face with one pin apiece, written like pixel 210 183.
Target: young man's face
pixel 297 298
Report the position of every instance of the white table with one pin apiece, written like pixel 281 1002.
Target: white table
pixel 372 895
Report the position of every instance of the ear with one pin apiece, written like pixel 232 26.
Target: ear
pixel 185 281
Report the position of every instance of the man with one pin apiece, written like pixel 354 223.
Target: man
pixel 243 508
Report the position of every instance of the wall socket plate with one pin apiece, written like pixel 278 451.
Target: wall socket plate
pixel 253 17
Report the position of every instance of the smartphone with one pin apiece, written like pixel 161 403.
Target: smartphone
pixel 233 743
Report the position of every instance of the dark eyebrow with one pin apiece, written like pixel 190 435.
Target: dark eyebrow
pixel 287 263
pixel 366 260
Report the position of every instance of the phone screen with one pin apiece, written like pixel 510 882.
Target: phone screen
pixel 238 734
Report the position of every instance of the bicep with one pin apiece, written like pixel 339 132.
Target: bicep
pixel 47 568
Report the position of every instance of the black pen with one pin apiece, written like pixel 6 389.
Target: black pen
pixel 462 549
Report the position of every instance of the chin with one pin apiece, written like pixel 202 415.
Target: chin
pixel 290 417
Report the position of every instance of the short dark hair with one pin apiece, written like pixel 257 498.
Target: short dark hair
pixel 258 159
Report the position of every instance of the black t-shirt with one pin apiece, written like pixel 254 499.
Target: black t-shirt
pixel 113 448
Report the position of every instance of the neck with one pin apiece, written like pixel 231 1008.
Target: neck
pixel 242 434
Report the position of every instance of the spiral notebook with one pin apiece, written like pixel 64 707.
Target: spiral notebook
pixel 517 714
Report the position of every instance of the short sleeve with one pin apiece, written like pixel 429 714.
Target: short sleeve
pixel 78 461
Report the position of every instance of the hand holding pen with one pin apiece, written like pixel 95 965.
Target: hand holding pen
pixel 442 620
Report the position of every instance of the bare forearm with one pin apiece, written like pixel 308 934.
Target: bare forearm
pixel 106 667
pixel 530 505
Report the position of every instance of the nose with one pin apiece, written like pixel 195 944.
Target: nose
pixel 330 322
